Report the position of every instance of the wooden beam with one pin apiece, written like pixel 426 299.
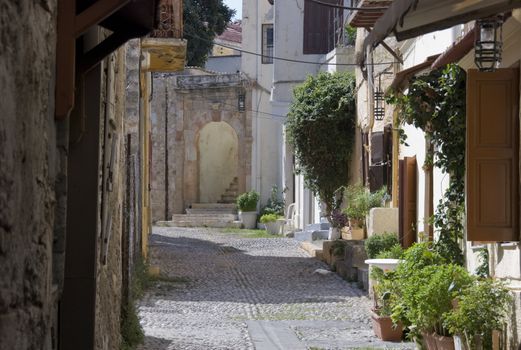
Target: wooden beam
pixel 96 13
pixel 103 49
pixel 388 48
pixel 65 59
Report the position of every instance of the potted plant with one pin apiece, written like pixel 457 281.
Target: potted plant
pixel 426 287
pixel 338 220
pixel 359 202
pixel 247 205
pixel 271 223
pixel 383 326
pixel 383 251
pixel 481 308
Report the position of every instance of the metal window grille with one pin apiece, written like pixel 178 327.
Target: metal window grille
pixel 267 43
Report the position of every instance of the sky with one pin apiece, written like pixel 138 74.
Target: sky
pixel 237 5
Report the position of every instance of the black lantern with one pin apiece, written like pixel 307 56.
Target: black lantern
pixel 488 43
pixel 379 107
pixel 242 102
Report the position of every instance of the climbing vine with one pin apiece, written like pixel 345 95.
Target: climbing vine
pixel 435 103
pixel 321 128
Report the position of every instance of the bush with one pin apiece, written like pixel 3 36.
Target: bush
pixel 481 308
pixel 269 218
pixel 395 252
pixel 321 127
pixel 274 205
pixel 248 201
pixel 377 244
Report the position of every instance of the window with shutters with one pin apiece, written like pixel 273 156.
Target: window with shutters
pixel 321 26
pixel 492 172
pixel 267 43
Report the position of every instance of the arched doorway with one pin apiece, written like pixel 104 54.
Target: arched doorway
pixel 218 157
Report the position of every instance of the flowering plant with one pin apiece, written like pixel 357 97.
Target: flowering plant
pixel 338 219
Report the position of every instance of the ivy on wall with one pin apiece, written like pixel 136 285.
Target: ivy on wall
pixel 321 127
pixel 435 103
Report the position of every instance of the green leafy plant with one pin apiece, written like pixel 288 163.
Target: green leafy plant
pixel 360 201
pixel 269 218
pixel 350 33
pixel 383 291
pixel 482 307
pixel 321 128
pixel 395 252
pixel 248 201
pixel 379 243
pixel 274 205
pixel 435 103
pixel 483 269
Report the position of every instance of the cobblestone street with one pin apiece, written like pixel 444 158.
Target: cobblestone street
pixel 224 291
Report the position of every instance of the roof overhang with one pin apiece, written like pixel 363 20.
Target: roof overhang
pixel 401 80
pixel 410 18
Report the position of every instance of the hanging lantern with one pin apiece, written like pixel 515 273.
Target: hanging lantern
pixel 488 43
pixel 379 105
pixel 242 102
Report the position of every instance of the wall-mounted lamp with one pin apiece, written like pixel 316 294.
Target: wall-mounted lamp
pixel 379 105
pixel 242 102
pixel 488 43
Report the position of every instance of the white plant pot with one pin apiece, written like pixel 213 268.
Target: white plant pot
pixel 385 264
pixel 334 233
pixel 272 227
pixel 248 219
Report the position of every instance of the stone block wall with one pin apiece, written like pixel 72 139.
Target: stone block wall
pixel 28 157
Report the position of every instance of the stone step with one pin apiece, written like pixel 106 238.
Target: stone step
pixel 319 226
pixel 203 220
pixel 213 206
pixel 211 210
pixel 316 235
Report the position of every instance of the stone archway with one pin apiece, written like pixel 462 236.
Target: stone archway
pixel 218 160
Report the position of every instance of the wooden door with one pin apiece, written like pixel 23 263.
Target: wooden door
pixel 407 202
pixel 492 176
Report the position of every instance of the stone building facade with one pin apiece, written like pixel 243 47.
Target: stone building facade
pixel 201 141
pixel 70 186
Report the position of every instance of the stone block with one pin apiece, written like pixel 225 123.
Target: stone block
pixel 326 251
pixel 359 256
pixel 363 278
pixel 382 220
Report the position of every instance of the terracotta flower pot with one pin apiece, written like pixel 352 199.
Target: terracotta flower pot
pixel 384 328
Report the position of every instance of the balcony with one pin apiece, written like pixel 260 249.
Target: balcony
pixel 366 16
pixel 165 48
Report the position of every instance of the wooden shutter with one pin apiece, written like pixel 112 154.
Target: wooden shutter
pixel 493 155
pixel 319 27
pixel 407 205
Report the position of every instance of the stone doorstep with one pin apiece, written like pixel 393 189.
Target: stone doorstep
pixel 214 205
pixel 314 249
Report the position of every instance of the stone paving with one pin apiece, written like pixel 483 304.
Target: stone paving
pixel 222 291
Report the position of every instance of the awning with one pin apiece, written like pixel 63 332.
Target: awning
pixel 411 18
pixel 401 80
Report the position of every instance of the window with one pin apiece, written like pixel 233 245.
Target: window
pixel 267 43
pixel 320 26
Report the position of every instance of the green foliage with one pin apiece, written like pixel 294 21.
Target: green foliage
pixel 435 103
pixel 379 243
pixel 395 252
pixel 360 201
pixel 384 291
pixel 350 33
pixel 203 21
pixel 338 248
pixel 131 332
pixel 248 201
pixel 269 218
pixel 274 205
pixel 483 269
pixel 481 308
pixel 321 128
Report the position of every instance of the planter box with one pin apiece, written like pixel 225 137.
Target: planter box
pixel 384 328
pixel 444 343
pixel 429 341
pixel 273 227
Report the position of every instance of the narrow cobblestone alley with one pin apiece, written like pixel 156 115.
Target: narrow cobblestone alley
pixel 223 291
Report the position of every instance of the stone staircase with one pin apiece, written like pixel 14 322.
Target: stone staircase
pixel 230 195
pixel 218 215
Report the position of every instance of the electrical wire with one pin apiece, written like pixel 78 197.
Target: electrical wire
pixel 352 8
pixel 286 59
